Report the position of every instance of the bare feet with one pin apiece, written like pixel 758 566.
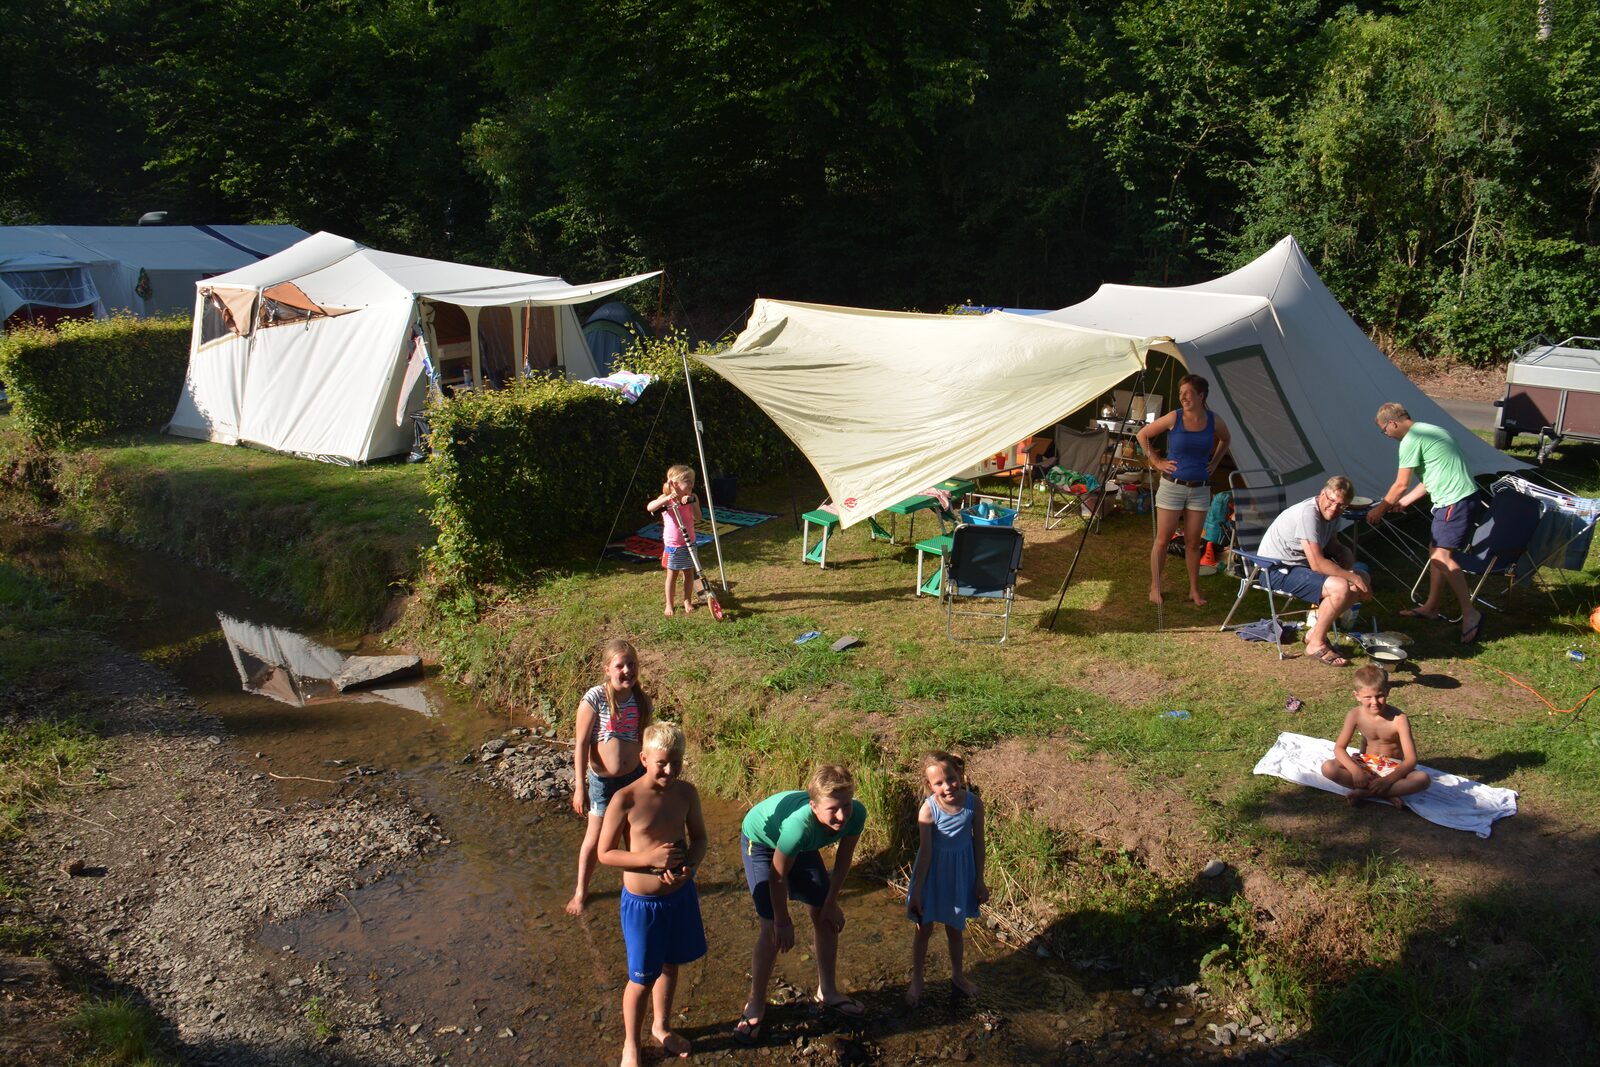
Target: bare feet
pixel 667 611
pixel 914 991
pixel 675 1044
pixel 1156 597
pixel 964 985
pixel 575 905
pixel 630 1056
pixel 1199 601
pixel 1354 798
pixel 688 606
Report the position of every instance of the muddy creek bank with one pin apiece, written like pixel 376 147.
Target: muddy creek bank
pixel 291 874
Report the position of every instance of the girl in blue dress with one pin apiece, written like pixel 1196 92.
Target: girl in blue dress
pixel 947 882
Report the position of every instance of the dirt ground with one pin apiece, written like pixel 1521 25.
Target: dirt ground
pixel 157 880
pixel 1453 381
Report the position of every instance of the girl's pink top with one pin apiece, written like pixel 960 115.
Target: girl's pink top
pixel 674 535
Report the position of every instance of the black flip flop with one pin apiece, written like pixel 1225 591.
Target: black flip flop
pixel 840 1008
pixel 747 1031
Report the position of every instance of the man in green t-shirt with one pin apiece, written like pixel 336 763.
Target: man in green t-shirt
pixel 1443 475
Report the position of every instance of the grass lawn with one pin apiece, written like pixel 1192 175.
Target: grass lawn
pixel 1105 808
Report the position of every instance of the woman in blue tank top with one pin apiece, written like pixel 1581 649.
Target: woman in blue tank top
pixel 1196 441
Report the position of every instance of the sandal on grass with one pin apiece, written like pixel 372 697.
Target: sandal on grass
pixel 747 1031
pixel 1328 656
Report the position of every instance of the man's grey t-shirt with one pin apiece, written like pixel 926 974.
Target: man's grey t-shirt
pixel 1294 524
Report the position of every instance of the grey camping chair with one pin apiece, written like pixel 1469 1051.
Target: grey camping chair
pixel 1254 508
pixel 982 565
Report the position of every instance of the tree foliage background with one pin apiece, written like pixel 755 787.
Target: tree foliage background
pixel 1438 159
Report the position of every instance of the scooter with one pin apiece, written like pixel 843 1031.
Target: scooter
pixel 702 587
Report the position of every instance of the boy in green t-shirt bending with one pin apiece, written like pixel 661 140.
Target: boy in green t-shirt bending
pixel 780 842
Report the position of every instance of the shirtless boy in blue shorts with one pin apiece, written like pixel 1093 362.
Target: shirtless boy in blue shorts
pixel 660 906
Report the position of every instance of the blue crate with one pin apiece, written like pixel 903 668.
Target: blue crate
pixel 989 515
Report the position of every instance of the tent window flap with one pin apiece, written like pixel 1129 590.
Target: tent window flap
pixel 1253 391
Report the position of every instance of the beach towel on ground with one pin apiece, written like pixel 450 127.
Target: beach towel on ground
pixel 1452 801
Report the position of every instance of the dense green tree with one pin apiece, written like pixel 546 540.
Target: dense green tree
pixel 1182 96
pixel 346 116
pixel 71 149
pixel 1438 158
pixel 778 148
pixel 1446 154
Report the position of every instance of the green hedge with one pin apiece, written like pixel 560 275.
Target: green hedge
pixel 88 378
pixel 533 475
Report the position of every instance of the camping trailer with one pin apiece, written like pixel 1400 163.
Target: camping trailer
pixel 1552 390
pixel 325 349
pixel 50 272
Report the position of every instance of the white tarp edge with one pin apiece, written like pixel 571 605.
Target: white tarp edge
pixel 542 293
pixel 885 404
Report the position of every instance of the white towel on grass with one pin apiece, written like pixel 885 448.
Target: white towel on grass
pixel 1451 800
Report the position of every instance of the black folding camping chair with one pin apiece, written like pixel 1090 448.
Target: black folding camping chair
pixel 982 565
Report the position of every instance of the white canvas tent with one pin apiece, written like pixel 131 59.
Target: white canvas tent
pixel 884 404
pixel 147 270
pixel 1296 379
pixel 887 403
pixel 318 350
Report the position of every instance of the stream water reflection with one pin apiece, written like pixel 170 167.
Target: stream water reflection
pixel 472 944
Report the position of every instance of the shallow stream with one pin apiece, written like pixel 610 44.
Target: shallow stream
pixel 471 947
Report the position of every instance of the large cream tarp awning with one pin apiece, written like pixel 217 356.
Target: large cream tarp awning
pixel 885 404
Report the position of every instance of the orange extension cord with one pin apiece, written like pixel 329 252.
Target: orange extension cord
pixel 1553 709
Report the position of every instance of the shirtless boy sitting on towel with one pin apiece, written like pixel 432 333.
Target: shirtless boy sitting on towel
pixel 1386 766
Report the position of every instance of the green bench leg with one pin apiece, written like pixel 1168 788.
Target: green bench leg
pixel 934 585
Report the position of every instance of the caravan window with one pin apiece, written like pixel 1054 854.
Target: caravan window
pixel 1252 390
pixel 70 287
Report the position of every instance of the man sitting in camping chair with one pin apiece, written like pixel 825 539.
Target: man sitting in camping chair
pixel 1319 569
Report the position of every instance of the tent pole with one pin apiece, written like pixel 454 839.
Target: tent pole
pixel 1107 461
pixel 705 473
pixel 520 338
pixel 472 334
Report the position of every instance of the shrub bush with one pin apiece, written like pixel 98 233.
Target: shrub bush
pixel 536 473
pixel 88 378
pixel 1536 287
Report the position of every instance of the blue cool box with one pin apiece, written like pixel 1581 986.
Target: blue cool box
pixel 988 515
